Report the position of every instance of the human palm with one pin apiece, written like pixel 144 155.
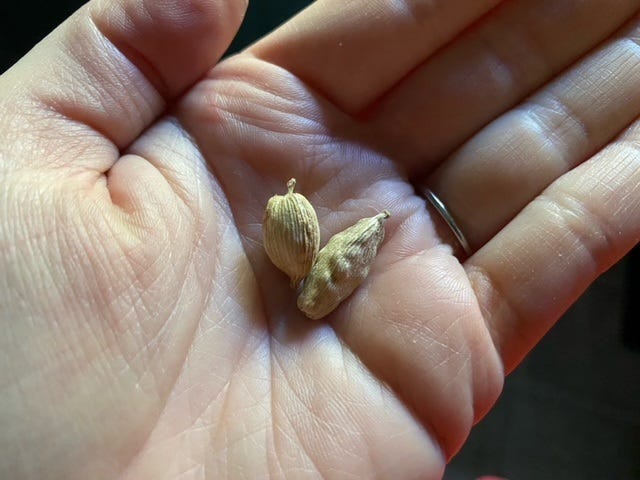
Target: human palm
pixel 148 334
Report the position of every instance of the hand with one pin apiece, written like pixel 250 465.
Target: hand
pixel 146 335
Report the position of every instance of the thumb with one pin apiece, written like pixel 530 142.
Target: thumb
pixel 106 73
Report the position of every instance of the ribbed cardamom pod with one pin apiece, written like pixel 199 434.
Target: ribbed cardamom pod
pixel 291 233
pixel 341 266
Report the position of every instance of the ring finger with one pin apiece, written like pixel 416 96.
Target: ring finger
pixel 502 168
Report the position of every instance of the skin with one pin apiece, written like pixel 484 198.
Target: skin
pixel 146 335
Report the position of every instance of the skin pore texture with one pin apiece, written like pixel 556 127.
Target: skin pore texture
pixel 146 335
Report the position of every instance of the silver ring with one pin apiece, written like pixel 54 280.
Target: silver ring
pixel 448 218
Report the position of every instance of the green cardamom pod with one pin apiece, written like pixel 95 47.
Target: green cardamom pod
pixel 291 233
pixel 341 266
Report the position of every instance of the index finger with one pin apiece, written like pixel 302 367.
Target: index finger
pixel 353 52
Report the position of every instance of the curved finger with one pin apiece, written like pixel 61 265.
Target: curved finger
pixel 498 172
pixel 539 264
pixel 510 53
pixel 352 52
pixel 105 74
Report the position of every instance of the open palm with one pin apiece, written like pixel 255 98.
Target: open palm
pixel 148 336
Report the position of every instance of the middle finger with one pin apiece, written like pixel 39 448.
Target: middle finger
pixel 513 51
pixel 502 168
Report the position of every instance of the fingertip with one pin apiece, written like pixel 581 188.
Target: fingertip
pixel 112 68
pixel 172 42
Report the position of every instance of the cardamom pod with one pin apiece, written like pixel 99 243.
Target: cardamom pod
pixel 291 233
pixel 341 266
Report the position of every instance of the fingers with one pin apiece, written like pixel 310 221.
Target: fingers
pixel 352 52
pixel 494 175
pixel 511 52
pixel 109 71
pixel 535 268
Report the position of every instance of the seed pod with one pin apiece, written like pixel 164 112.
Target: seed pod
pixel 291 233
pixel 341 266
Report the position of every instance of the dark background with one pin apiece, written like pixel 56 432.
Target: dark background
pixel 572 410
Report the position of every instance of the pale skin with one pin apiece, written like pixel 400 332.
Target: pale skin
pixel 145 333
